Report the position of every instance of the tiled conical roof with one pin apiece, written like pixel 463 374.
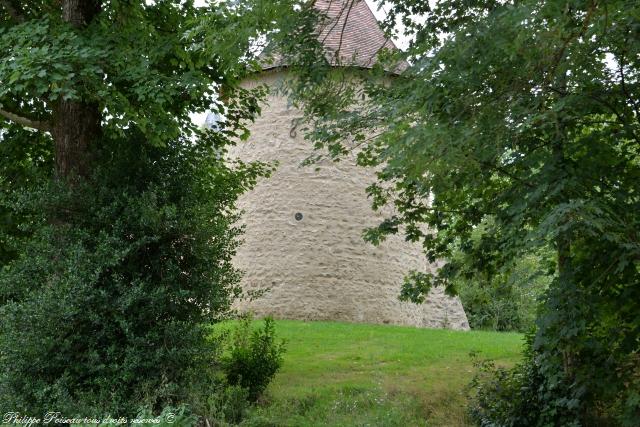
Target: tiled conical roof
pixel 351 35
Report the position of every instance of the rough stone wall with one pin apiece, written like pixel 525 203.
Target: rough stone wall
pixel 319 267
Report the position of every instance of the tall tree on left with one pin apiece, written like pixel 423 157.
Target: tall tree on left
pixel 80 69
pixel 73 122
pixel 117 211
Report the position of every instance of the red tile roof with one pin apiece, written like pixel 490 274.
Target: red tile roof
pixel 350 34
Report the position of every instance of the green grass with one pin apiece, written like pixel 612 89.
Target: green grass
pixel 341 374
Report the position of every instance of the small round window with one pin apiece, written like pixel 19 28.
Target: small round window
pixel 298 216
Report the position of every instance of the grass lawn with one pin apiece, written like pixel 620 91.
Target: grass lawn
pixel 341 374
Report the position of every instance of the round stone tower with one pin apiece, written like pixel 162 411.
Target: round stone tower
pixel 303 248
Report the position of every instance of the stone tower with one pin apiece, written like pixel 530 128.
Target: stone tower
pixel 304 225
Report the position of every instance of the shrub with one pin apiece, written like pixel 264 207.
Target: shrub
pixel 509 397
pixel 507 301
pixel 25 160
pixel 102 310
pixel 228 406
pixel 494 307
pixel 544 390
pixel 254 357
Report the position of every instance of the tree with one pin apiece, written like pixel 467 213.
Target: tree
pixel 118 212
pixel 83 70
pixel 522 116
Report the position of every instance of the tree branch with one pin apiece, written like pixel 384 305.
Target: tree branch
pixel 623 84
pixel 34 124
pixel 12 10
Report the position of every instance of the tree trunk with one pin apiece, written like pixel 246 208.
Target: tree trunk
pixel 76 123
pixel 563 240
pixel 563 243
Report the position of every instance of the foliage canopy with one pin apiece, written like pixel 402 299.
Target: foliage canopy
pixel 117 211
pixel 518 121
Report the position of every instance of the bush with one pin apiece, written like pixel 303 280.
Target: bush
pixel 544 390
pixel 254 357
pixel 102 309
pixel 25 160
pixel 507 301
pixel 227 406
pixel 493 307
pixel 512 397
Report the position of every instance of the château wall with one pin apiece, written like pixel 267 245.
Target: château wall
pixel 304 241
